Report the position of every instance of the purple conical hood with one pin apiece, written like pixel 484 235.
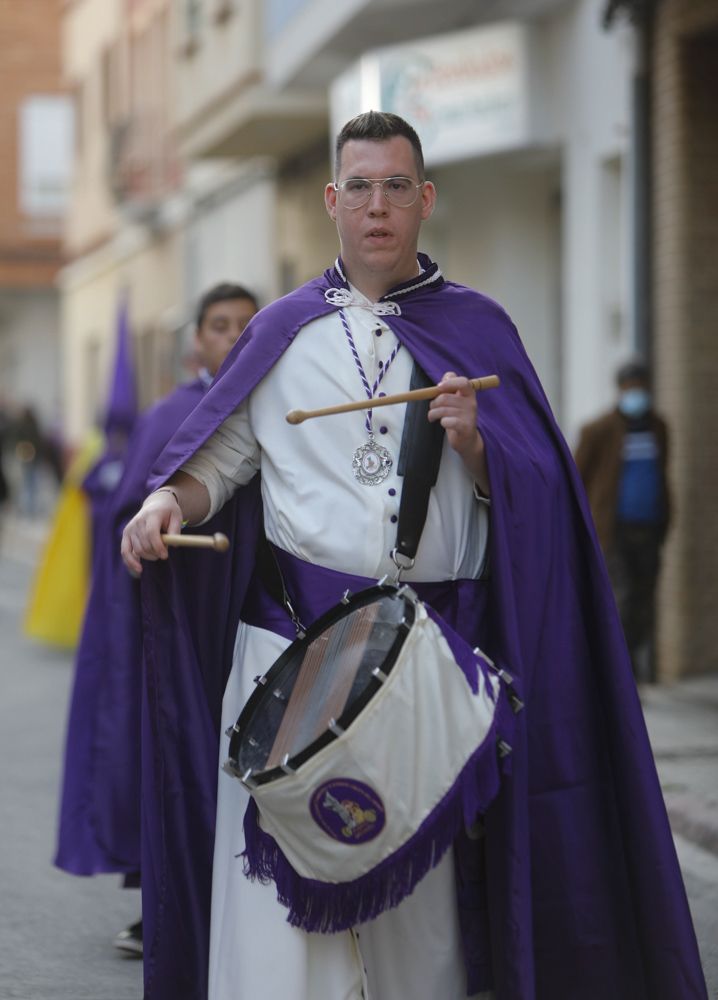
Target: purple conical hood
pixel 122 402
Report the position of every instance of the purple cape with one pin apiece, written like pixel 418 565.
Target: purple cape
pixel 99 823
pixel 101 482
pixel 584 893
pixel 99 486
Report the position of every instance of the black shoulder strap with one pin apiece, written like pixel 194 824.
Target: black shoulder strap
pixel 419 459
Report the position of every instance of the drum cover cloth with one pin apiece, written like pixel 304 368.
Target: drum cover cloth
pixel 401 757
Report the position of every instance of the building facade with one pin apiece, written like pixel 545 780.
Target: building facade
pixel 36 136
pixel 526 110
pixel 123 232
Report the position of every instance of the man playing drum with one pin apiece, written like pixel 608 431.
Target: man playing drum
pixel 572 888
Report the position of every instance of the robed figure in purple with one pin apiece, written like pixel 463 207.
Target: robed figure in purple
pixel 572 889
pixel 99 823
pixel 101 482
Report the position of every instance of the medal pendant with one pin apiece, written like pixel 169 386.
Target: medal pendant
pixel 371 463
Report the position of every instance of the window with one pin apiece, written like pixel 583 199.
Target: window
pixel 46 154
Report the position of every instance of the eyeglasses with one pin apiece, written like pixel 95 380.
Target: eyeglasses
pixel 355 192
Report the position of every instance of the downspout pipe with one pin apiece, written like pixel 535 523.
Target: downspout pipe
pixel 641 14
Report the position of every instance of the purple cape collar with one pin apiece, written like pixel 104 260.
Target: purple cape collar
pixel 267 337
pixel 430 277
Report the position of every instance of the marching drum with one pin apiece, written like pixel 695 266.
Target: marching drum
pixel 368 744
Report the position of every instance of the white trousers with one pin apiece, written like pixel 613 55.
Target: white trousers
pixel 412 951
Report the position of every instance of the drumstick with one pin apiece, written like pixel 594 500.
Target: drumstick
pixel 430 392
pixel 218 541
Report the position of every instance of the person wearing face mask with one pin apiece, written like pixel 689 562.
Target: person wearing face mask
pixel 622 458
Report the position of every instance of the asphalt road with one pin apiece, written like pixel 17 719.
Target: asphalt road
pixel 56 930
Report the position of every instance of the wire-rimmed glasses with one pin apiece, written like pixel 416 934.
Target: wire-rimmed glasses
pixel 355 192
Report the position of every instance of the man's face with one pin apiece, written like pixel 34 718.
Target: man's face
pixel 379 240
pixel 634 398
pixel 223 324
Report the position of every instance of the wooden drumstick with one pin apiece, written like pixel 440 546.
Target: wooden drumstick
pixel 430 392
pixel 218 541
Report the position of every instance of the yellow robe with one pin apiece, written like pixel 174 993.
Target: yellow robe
pixel 59 592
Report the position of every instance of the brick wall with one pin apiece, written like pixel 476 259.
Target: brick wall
pixel 29 64
pixel 686 321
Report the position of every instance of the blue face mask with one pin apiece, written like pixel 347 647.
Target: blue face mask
pixel 634 402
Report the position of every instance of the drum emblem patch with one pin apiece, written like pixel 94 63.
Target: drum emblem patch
pixel 348 811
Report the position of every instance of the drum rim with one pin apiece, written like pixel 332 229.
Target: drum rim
pixel 335 614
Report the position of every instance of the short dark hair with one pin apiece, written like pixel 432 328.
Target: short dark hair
pixel 634 370
pixel 378 126
pixel 222 292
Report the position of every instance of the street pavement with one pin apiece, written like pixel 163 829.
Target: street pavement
pixel 56 930
pixel 682 722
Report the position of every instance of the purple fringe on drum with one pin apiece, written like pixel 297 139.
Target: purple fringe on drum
pixel 330 907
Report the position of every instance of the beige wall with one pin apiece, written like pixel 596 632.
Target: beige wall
pixel 306 237
pixel 117 62
pixel 218 62
pixel 91 289
pixel 88 29
pixel 686 306
pixel 119 69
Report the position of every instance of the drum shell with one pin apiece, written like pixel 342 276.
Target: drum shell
pixel 403 753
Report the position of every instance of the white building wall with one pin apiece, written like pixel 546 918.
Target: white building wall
pixel 496 229
pixel 231 236
pixel 589 78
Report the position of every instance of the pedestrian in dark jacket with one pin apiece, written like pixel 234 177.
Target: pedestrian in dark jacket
pixel 622 458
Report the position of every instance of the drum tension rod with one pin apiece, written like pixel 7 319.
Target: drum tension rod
pixel 405 625
pixel 504 748
pixel 335 728
pixel 230 767
pixel 247 779
pixel 516 703
pixel 408 592
pixel 285 766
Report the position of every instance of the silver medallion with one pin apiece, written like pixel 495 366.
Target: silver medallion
pixel 371 463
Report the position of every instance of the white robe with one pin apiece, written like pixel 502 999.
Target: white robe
pixel 315 509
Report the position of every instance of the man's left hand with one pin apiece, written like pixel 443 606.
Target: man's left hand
pixel 456 410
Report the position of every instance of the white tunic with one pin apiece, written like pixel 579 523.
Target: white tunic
pixel 316 509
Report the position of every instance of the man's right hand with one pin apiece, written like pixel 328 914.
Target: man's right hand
pixel 159 514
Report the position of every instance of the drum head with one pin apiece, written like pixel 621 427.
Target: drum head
pixel 323 679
